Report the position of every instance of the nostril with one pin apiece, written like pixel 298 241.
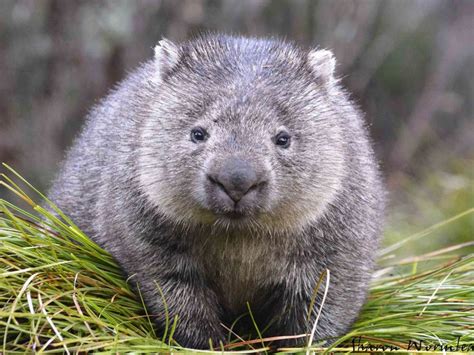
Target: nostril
pixel 215 181
pixel 258 185
pixel 212 179
pixel 230 190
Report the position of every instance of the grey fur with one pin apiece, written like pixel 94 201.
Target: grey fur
pixel 137 184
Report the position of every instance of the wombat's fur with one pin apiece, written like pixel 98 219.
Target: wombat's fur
pixel 228 170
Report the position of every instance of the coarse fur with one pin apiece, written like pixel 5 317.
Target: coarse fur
pixel 140 186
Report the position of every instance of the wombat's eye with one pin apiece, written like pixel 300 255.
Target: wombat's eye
pixel 198 134
pixel 282 140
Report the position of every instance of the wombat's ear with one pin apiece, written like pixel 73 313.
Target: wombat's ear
pixel 166 57
pixel 322 63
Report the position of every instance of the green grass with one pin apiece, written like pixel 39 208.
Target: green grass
pixel 59 292
pixel 437 194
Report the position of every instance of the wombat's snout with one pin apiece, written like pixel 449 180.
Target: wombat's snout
pixel 236 183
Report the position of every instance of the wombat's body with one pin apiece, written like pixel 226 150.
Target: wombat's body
pixel 231 170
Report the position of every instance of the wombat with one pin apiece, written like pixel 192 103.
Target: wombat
pixel 226 171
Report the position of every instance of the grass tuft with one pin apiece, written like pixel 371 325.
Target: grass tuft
pixel 61 293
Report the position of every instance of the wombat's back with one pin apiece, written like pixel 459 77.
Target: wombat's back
pixel 104 150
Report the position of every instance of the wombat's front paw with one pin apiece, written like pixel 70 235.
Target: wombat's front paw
pixel 201 338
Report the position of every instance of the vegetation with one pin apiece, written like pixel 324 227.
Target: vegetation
pixel 438 195
pixel 59 292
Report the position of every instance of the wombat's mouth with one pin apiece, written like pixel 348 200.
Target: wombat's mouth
pixel 237 215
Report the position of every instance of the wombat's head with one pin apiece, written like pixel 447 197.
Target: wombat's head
pixel 241 133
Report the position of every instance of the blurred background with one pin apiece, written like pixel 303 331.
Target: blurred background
pixel 408 64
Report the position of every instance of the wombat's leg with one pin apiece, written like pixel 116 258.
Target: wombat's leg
pixel 192 302
pixel 170 281
pixel 286 311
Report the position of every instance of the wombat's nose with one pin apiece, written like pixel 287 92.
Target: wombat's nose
pixel 236 177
